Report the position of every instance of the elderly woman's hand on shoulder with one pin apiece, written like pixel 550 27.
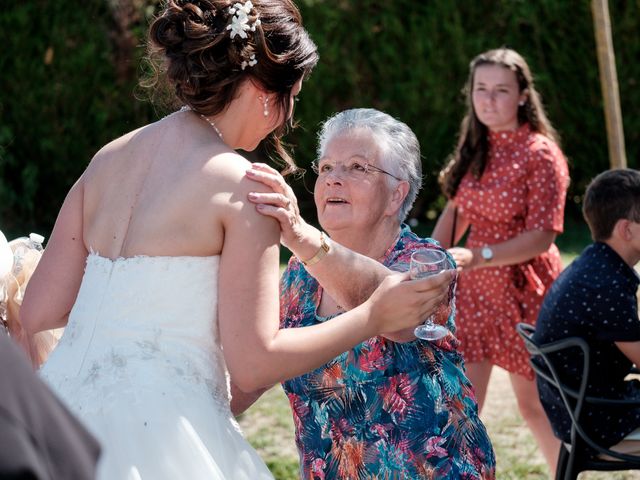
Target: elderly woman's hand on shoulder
pixel 281 204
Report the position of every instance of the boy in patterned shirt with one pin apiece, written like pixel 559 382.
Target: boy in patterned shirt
pixel 595 298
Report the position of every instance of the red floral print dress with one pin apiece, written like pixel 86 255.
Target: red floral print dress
pixel 523 188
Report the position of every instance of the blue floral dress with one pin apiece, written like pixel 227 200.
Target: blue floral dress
pixel 384 410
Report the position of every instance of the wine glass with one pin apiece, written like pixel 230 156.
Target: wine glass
pixel 425 263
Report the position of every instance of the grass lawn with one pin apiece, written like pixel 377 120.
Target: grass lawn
pixel 269 427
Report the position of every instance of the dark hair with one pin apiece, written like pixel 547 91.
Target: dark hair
pixel 473 143
pixel 190 42
pixel 611 196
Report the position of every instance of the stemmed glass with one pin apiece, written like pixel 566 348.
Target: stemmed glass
pixel 425 263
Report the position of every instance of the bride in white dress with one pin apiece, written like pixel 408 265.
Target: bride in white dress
pixel 157 264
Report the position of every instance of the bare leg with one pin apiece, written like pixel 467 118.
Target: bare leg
pixel 478 374
pixel 531 410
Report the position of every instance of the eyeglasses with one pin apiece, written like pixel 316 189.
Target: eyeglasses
pixel 354 170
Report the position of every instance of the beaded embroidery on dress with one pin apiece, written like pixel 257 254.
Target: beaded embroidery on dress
pixel 140 363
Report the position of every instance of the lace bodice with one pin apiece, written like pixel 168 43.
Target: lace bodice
pixel 146 322
pixel 140 363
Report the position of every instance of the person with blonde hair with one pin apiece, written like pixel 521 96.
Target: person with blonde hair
pixel 18 260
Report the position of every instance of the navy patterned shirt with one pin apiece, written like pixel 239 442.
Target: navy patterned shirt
pixel 594 298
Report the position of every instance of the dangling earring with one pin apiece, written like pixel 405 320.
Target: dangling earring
pixel 522 102
pixel 265 112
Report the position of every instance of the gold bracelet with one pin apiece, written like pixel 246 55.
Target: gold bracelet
pixel 322 251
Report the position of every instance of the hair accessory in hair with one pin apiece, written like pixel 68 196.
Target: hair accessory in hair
pixel 240 23
pixel 209 16
pixel 252 61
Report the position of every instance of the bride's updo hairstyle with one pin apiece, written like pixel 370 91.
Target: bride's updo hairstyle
pixel 207 48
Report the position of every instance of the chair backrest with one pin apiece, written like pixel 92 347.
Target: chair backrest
pixel 574 400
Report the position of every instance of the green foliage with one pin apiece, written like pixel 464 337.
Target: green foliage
pixel 411 59
pixel 68 83
pixel 61 100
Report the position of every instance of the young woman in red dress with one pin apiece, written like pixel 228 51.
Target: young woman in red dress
pixel 506 185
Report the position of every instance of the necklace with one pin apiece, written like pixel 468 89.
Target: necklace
pixel 186 108
pixel 210 122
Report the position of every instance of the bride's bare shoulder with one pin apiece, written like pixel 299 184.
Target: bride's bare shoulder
pixel 115 148
pixel 226 165
pixel 230 168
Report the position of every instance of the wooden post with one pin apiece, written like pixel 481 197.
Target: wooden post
pixel 609 83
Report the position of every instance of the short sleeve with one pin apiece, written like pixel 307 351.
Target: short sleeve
pixel 400 260
pixel 298 295
pixel 287 281
pixel 547 182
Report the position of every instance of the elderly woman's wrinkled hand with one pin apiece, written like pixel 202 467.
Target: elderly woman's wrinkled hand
pixel 399 302
pixel 281 204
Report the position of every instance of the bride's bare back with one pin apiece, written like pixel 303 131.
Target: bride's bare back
pixel 162 190
pixel 172 188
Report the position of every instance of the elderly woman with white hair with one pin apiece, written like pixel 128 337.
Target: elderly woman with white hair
pixel 394 406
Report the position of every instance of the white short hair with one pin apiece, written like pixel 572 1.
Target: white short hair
pixel 397 142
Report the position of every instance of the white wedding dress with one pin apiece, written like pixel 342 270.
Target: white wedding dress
pixel 140 363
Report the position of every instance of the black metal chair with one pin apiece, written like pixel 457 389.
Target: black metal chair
pixel 577 456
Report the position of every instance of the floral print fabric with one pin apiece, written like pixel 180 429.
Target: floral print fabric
pixel 523 188
pixel 383 409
